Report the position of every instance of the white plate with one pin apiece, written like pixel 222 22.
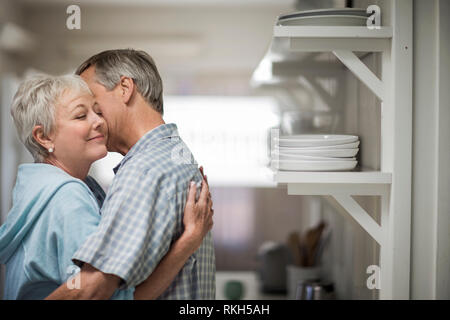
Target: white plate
pixel 326 12
pixel 314 140
pixel 352 145
pixel 325 20
pixel 297 165
pixel 337 153
pixel 284 156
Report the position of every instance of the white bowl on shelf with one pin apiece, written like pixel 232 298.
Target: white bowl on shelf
pixel 304 165
pixel 325 17
pixel 314 140
pixel 329 20
pixel 284 156
pixel 334 153
pixel 352 145
pixel 361 12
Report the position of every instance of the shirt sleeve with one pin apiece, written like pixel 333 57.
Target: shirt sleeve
pixel 75 216
pixel 136 230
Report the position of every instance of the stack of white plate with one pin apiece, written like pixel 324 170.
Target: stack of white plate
pixel 325 17
pixel 315 152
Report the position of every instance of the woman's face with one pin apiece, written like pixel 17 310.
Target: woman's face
pixel 80 133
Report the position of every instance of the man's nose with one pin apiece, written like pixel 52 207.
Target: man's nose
pixel 98 121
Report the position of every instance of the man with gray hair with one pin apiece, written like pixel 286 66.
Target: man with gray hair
pixel 143 211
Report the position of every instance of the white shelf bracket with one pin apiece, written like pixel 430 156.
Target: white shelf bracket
pixel 352 208
pixel 360 70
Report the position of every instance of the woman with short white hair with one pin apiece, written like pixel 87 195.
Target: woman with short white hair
pixel 56 204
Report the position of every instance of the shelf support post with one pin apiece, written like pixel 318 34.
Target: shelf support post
pixel 396 153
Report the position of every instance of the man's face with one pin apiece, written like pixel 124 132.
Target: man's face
pixel 109 103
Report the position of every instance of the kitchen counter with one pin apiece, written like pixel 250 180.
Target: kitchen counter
pixel 250 280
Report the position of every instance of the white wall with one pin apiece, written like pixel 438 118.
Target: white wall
pixel 430 214
pixel 443 209
pixel 10 150
pixel 430 268
pixel 352 250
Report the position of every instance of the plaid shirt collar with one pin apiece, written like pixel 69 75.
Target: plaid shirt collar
pixel 156 134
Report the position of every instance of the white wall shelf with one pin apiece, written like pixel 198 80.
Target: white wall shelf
pixel 295 44
pixel 338 188
pixel 332 32
pixel 341 177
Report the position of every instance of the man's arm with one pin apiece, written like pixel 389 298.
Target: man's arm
pixel 94 285
pixel 196 227
pixel 98 285
pixel 167 269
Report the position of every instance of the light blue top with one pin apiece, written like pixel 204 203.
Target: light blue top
pixel 143 215
pixel 53 213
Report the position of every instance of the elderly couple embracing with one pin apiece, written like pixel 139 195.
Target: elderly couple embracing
pixel 149 236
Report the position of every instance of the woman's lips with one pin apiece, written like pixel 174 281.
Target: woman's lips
pixel 99 137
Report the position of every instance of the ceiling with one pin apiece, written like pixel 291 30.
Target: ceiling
pixel 200 46
pixel 150 3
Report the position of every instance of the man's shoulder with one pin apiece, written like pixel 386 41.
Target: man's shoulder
pixel 162 174
pixel 168 155
pixel 167 176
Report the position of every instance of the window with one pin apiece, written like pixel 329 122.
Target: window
pixel 228 136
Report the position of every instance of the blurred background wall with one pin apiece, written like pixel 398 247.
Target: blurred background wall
pixel 206 50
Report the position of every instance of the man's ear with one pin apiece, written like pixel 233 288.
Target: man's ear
pixel 41 138
pixel 127 88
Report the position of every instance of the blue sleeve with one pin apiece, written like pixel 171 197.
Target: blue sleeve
pixel 72 215
pixel 75 216
pixel 80 219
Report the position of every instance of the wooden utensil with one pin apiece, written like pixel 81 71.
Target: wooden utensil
pixel 312 241
pixel 294 244
pixel 321 246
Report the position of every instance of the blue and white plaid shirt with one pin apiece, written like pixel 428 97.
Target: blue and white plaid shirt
pixel 143 215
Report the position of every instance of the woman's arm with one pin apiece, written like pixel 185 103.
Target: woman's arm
pixel 197 222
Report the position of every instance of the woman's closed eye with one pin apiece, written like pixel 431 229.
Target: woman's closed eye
pixel 96 109
pixel 80 117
